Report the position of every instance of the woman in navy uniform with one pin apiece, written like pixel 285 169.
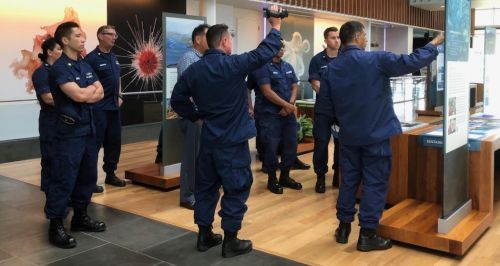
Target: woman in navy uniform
pixel 51 51
pixel 322 131
pixel 74 87
pixel 278 85
pixel 358 86
pixel 216 83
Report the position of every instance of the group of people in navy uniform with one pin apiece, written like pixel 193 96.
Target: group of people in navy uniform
pixel 353 104
pixel 80 104
pixel 80 101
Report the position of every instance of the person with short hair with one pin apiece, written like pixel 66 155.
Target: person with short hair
pixel 277 89
pixel 216 83
pixel 191 130
pixel 107 111
pixel 322 123
pixel 358 88
pixel 75 88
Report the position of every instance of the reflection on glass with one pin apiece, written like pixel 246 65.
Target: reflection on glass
pixel 408 95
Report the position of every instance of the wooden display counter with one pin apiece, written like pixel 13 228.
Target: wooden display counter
pixel 150 175
pixel 419 191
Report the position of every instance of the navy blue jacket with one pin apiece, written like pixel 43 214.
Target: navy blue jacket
pixel 360 93
pixel 48 114
pixel 75 119
pixel 217 85
pixel 317 67
pixel 280 76
pixel 107 68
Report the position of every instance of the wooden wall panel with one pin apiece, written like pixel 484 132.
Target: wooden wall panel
pixel 398 11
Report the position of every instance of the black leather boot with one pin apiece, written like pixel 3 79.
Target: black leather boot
pixel 207 238
pixel 112 179
pixel 300 165
pixel 342 233
pixel 287 181
pixel 58 236
pixel 369 240
pixel 273 185
pixel 232 246
pixel 98 189
pixel 82 222
pixel 320 184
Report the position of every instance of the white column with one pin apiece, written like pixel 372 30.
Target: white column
pixel 208 10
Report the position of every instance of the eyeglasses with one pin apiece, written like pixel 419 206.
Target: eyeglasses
pixel 114 35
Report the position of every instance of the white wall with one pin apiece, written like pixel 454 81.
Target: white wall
pixel 399 40
pixel 377 38
pixel 246 24
pixel 320 24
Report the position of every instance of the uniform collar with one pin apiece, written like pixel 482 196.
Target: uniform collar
pixel 324 55
pixel 101 53
pixel 214 51
pixel 67 59
pixel 349 48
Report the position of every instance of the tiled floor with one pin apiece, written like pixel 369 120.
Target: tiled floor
pixel 128 240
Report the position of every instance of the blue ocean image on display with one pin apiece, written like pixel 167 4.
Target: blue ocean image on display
pixel 178 37
pixel 457 30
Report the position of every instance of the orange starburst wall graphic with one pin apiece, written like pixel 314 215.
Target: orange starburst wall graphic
pixel 23 68
pixel 25 24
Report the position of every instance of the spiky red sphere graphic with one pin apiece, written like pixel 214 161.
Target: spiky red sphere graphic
pixel 147 61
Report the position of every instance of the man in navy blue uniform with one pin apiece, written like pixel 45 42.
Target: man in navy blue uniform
pixel 74 87
pixel 216 84
pixel 107 111
pixel 323 112
pixel 358 86
pixel 276 107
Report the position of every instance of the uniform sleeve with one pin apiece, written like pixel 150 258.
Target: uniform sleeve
pixel 396 65
pixel 314 70
pixel 180 100
pixel 295 79
pixel 250 81
pixel 248 62
pixel 262 76
pixel 94 75
pixel 325 94
pixel 60 74
pixel 90 60
pixel 41 82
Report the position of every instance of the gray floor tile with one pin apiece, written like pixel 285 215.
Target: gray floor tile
pixel 20 226
pixel 15 262
pixel 134 240
pixel 182 251
pixel 38 250
pixel 4 255
pixel 140 233
pixel 108 255
pixel 110 216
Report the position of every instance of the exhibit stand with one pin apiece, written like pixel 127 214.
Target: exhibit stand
pixel 177 29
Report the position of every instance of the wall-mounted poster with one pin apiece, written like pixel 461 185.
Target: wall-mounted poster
pixel 140 52
pixel 24 25
pixel 178 29
pixel 491 94
pixel 455 194
pixel 298 34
